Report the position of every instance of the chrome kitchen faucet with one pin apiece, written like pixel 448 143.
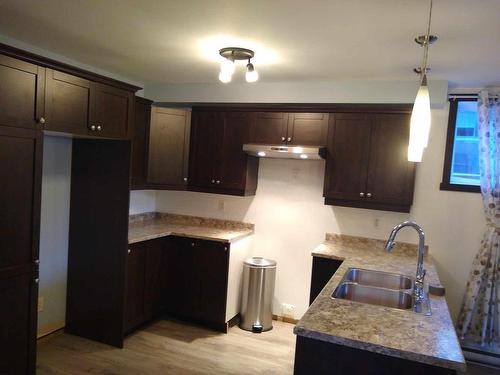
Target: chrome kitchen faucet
pixel 421 298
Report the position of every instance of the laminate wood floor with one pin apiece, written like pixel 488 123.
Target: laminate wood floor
pixel 168 347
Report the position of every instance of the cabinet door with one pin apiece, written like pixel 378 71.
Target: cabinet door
pixel 140 140
pixel 66 103
pixel 269 128
pixel 111 111
pixel 20 176
pixel 322 271
pixel 134 286
pixel 347 160
pixel 231 167
pixel 169 147
pixel 182 290
pixel 307 129
pixel 18 324
pixel 212 266
pixel 154 278
pixel 390 174
pixel 206 134
pixel 21 93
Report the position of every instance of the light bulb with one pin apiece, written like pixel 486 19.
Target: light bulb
pixel 227 67
pixel 224 77
pixel 251 74
pixel 261 153
pixel 420 123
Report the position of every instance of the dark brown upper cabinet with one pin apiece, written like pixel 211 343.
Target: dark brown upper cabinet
pixel 21 93
pixel 140 141
pixel 217 163
pixel 169 148
pixel 304 129
pixel 367 162
pixel 307 129
pixel 66 103
pixel 269 128
pixel 111 111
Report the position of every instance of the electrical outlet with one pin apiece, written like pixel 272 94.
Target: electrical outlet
pixel 288 310
pixel 41 303
pixel 221 205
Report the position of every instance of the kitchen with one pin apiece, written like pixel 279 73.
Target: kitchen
pixel 281 205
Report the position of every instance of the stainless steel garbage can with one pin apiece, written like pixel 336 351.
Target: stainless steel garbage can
pixel 258 292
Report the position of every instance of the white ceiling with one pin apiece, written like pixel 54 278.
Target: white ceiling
pixel 309 40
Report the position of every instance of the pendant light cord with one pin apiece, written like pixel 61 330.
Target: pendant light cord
pixel 423 68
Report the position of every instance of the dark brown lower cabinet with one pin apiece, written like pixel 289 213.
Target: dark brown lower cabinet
pixel 196 280
pixel 20 186
pixel 321 357
pixel 18 324
pixel 322 271
pixel 143 285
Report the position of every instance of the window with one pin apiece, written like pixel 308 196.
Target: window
pixel 461 163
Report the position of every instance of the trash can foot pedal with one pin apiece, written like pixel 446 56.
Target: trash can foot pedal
pixel 257 328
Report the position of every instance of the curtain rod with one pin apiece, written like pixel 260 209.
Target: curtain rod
pixel 470 96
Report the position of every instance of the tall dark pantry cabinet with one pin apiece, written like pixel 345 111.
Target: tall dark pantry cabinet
pixel 39 95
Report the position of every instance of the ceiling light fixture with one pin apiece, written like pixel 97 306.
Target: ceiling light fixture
pixel 420 123
pixel 232 54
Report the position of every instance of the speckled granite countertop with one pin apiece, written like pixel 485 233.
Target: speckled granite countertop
pixel 389 331
pixel 153 225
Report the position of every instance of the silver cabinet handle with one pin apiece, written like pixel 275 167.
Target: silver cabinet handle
pixel 368 195
pixel 41 120
pixel 361 194
pixel 37 280
pixel 225 248
pixel 129 251
pixel 217 182
pixel 213 181
pixel 99 128
pixel 185 179
pixel 283 139
pixel 92 128
pixel 37 261
pixel 192 244
pixel 289 139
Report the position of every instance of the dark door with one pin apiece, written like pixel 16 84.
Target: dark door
pixel 20 173
pixel 111 111
pixel 212 265
pixel 269 128
pixel 390 174
pixel 307 129
pixel 181 286
pixel 20 176
pixel 206 134
pixel 66 103
pixel 169 147
pixel 140 140
pixel 347 160
pixel 154 292
pixel 21 93
pixel 231 167
pixel 98 243
pixel 134 286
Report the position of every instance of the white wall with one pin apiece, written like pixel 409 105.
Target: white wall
pixel 341 91
pixel 142 201
pixel 290 219
pixel 56 182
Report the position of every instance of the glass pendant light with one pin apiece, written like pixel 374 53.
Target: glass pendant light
pixel 251 75
pixel 420 123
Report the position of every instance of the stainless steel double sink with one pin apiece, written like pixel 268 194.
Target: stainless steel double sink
pixel 376 288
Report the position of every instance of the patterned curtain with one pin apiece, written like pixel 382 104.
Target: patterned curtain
pixel 480 315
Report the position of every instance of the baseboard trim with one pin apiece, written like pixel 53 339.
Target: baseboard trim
pixel 48 330
pixel 50 334
pixel 285 319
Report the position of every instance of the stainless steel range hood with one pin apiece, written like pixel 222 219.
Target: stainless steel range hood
pixel 286 152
